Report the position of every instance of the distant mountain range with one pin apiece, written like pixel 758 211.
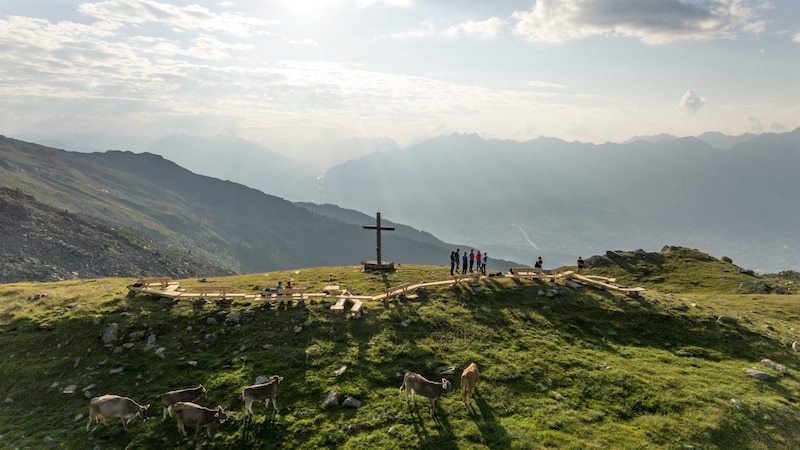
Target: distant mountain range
pixel 559 200
pixel 726 195
pixel 229 225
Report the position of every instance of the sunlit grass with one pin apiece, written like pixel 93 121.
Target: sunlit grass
pixel 580 369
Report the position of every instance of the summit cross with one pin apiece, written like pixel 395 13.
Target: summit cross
pixel 377 227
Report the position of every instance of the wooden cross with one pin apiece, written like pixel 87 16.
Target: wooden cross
pixel 377 227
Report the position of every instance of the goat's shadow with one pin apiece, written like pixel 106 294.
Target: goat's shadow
pixel 490 428
pixel 444 439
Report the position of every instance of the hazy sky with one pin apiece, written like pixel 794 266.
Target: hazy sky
pixel 119 73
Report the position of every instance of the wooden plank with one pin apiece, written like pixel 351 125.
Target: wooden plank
pixel 527 271
pixel 338 308
pixel 332 290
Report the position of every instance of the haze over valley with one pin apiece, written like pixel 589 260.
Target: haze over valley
pixel 552 128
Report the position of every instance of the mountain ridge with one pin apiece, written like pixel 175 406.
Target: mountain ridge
pixel 233 226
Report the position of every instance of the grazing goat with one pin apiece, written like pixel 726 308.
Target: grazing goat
pixel 111 406
pixel 469 379
pixel 261 392
pixel 182 395
pixel 188 413
pixel 416 383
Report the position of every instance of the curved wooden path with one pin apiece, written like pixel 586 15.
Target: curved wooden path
pixel 166 287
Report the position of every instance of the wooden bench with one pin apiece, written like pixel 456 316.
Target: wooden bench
pixel 146 282
pixel 527 271
pixel 356 309
pixel 285 292
pixel 338 308
pixel 221 290
pixel 332 290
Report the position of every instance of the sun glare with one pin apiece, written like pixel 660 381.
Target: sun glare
pixel 306 16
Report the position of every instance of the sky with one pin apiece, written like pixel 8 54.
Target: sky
pixel 292 73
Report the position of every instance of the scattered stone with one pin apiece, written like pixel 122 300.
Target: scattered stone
pixel 541 292
pixel 189 328
pixel 192 363
pixel 339 371
pixel 70 389
pixel 728 319
pixel 267 346
pixel 128 345
pixel 736 403
pixel 54 385
pixel 211 321
pixel 114 370
pixel 97 320
pixel 167 301
pixel 681 307
pixel 234 317
pixel 261 379
pixel 795 346
pixel 772 364
pixel 298 328
pixel 8 400
pixel 727 260
pixel 757 374
pixel 160 352
pixel 151 340
pixel 111 334
pixel 87 394
pixel 331 399
pixel 78 416
pixel 46 326
pixel 406 322
pixel 77 363
pixel 352 402
pixel 754 286
pixel 91 386
pixel 445 370
pixel 572 284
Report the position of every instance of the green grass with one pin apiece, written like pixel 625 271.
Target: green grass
pixel 581 369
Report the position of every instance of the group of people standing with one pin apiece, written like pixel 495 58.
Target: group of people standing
pixel 459 262
pixel 477 261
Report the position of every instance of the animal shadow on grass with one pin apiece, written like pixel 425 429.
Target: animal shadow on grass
pixel 254 431
pixel 444 439
pixel 490 428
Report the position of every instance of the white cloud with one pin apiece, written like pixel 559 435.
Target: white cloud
pixel 796 38
pixel 485 30
pixel 386 3
pixel 179 18
pixel 652 21
pixel 692 102
pixel 545 84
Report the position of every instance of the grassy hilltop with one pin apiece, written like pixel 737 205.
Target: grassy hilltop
pixel 561 366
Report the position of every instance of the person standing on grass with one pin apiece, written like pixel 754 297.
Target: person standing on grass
pixel 483 264
pixel 471 259
pixel 458 260
pixel 478 261
pixel 452 262
pixel 580 265
pixel 464 263
pixel 538 264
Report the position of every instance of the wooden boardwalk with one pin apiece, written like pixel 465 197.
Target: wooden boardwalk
pixel 166 287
